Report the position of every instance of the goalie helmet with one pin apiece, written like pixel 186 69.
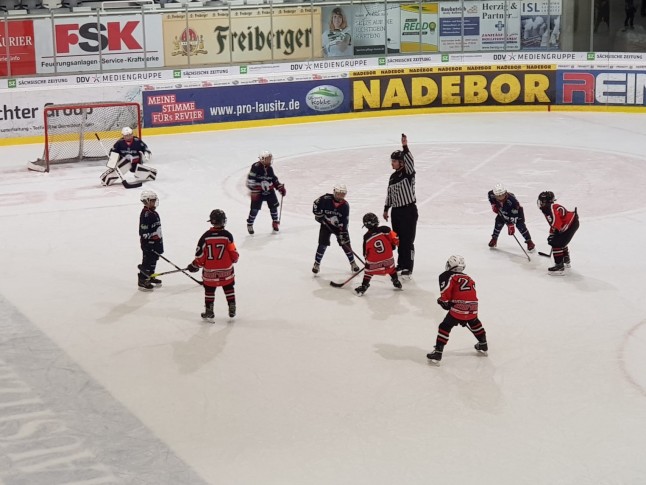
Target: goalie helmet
pixel 218 218
pixel 499 190
pixel 370 220
pixel 147 196
pixel 545 199
pixel 397 155
pixel 265 157
pixel 455 263
pixel 126 131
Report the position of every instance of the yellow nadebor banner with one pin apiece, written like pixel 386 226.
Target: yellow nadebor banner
pixel 253 35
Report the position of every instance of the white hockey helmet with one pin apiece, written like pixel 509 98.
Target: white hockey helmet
pixel 265 156
pixel 499 190
pixel 147 196
pixel 126 131
pixel 455 263
pixel 340 189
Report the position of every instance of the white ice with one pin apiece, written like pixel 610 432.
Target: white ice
pixel 311 384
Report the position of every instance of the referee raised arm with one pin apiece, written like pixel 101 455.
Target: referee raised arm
pixel 401 198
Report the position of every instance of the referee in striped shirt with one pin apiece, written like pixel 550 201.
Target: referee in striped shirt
pixel 401 198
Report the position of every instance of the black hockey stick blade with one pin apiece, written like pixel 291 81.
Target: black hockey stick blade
pixel 545 254
pixel 341 285
pixel 128 185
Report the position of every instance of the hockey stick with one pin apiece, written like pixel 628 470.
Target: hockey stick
pixel 280 213
pixel 545 254
pixel 521 247
pixel 340 285
pixel 155 275
pixel 178 268
pixel 124 182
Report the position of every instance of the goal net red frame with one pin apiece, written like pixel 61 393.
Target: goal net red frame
pixel 71 129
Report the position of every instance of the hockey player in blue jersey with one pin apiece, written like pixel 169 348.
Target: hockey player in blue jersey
pixel 332 211
pixel 263 183
pixel 508 211
pixel 129 152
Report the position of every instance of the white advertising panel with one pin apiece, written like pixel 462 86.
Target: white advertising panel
pixel 74 44
pixel 23 109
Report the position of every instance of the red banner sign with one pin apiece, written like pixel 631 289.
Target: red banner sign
pixel 17 52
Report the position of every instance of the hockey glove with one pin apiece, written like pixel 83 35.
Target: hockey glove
pixel 343 238
pixel 444 304
pixel 494 207
pixel 283 191
pixel 511 229
pixel 550 239
pixel 147 157
pixel 192 268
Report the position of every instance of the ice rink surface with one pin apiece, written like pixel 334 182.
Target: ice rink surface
pixel 103 384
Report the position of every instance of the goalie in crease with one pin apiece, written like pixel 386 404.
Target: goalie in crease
pixel 126 156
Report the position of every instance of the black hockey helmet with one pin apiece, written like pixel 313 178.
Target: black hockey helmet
pixel 397 155
pixel 545 199
pixel 218 218
pixel 370 220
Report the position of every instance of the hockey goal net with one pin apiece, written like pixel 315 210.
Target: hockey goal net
pixel 71 129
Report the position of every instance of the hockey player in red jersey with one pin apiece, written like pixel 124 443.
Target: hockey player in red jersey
pixel 458 296
pixel 563 225
pixel 378 245
pixel 216 254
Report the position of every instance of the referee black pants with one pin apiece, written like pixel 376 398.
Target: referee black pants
pixel 404 221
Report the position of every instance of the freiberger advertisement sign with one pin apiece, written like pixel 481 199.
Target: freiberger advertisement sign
pixel 254 35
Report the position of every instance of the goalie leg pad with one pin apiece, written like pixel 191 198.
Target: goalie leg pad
pixel 124 165
pixel 145 172
pixel 109 177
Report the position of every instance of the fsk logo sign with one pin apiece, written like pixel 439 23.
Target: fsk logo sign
pixel 90 38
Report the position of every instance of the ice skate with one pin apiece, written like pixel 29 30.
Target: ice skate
pixel 557 270
pixel 493 243
pixel 360 290
pixel 482 347
pixel 250 229
pixel 144 284
pixel 232 309
pixel 155 281
pixel 530 245
pixel 407 273
pixel 275 226
pixel 208 314
pixel 435 357
pixel 316 268
pixel 396 283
